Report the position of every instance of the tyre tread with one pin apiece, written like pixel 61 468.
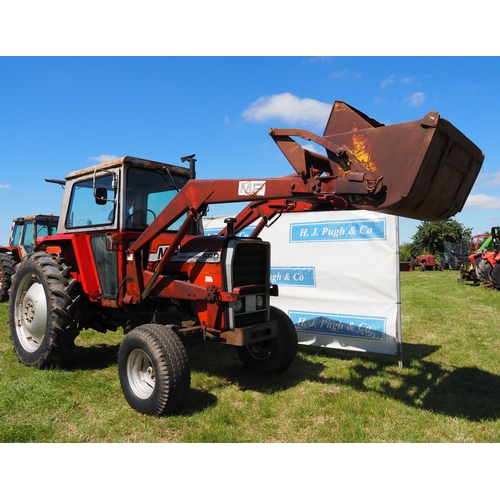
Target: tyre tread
pixel 61 300
pixel 173 373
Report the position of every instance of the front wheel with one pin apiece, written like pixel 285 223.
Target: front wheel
pixel 43 310
pixel 154 370
pixel 276 354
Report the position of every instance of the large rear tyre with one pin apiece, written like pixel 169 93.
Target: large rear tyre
pixel 276 354
pixel 43 310
pixel 454 263
pixel 485 270
pixel 6 272
pixel 154 370
pixel 495 276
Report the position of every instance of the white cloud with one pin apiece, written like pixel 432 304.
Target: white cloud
pixel 289 108
pixel 103 158
pixel 5 186
pixel 344 74
pixel 489 179
pixel 339 74
pixel 386 82
pixel 483 201
pixel 415 99
pixel 408 79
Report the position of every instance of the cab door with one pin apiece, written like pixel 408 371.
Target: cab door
pixel 92 212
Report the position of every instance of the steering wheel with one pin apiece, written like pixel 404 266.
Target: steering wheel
pixel 139 211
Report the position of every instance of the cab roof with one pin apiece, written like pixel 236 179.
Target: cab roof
pixel 131 161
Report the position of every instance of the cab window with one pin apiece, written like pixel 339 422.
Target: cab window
pixel 83 209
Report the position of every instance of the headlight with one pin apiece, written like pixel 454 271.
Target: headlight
pixel 238 306
pixel 260 301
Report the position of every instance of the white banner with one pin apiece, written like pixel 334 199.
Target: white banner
pixel 338 277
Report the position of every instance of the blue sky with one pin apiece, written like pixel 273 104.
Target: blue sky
pixel 59 114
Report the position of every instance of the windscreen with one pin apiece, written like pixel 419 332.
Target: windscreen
pixel 148 193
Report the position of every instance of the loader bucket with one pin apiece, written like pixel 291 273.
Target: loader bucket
pixel 427 167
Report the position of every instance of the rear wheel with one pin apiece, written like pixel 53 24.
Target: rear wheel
pixel 477 268
pixel 485 270
pixel 6 272
pixel 495 276
pixel 154 370
pixel 43 310
pixel 276 354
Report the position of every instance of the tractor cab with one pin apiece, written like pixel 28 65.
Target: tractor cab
pixel 120 195
pixel 25 231
pixel 109 206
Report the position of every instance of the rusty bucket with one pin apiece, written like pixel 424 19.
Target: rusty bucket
pixel 427 167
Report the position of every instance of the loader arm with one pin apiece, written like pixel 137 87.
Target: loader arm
pixel 297 190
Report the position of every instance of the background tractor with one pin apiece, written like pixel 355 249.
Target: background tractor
pixel 425 262
pixel 485 261
pixel 23 240
pixel 469 270
pixel 454 255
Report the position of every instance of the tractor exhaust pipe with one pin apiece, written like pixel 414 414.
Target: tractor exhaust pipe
pixel 192 161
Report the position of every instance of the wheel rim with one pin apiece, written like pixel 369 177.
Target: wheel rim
pixel 31 313
pixel 260 350
pixel 140 373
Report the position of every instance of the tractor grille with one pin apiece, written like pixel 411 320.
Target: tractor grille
pixel 250 266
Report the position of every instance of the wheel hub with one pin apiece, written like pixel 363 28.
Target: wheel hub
pixel 141 373
pixel 261 350
pixel 31 313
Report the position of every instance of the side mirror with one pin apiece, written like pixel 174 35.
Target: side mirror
pixel 101 196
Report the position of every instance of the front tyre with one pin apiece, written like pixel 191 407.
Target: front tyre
pixel 154 370
pixel 43 310
pixel 274 355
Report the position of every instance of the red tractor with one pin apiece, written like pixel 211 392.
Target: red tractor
pixel 486 262
pixel 130 250
pixel 424 262
pixel 472 266
pixel 23 240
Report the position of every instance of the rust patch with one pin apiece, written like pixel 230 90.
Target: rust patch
pixel 362 153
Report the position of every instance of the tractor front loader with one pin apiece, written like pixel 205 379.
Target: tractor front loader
pixel 130 250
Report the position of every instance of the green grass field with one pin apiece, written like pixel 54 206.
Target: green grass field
pixel 448 390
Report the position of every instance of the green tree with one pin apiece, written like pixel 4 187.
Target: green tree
pixel 405 250
pixel 408 249
pixel 433 235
